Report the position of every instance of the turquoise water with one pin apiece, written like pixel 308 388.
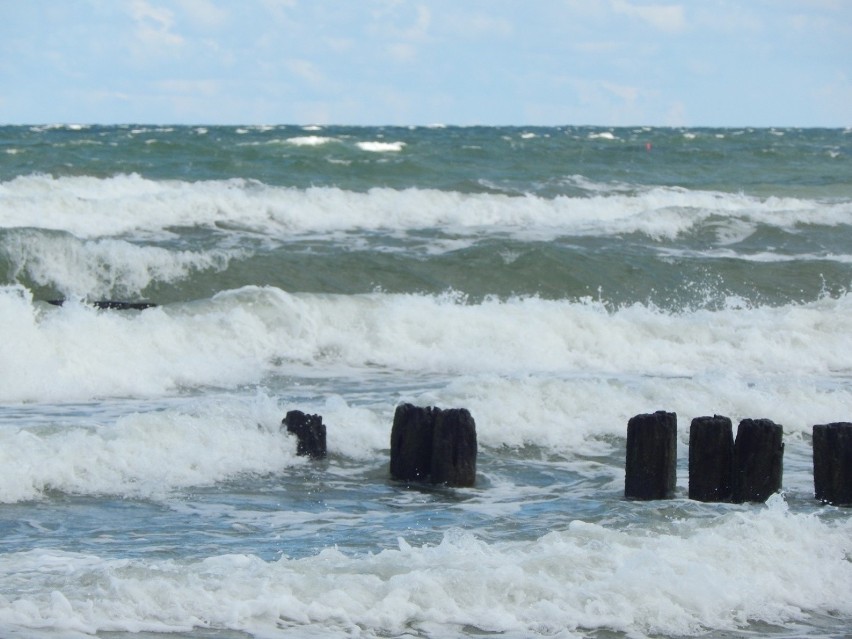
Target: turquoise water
pixel 554 281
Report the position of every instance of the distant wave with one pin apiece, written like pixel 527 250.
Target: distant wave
pixel 381 147
pixel 92 207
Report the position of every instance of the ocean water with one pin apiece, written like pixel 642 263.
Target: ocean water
pixel 553 281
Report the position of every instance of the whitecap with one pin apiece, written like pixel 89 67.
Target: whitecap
pixel 381 147
pixel 685 578
pixel 309 140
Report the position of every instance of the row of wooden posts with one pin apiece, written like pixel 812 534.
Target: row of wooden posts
pixel 427 444
pixel 723 469
pixel 439 446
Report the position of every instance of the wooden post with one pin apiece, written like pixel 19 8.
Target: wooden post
pixel 833 463
pixel 711 457
pixel 758 460
pixel 430 444
pixel 650 469
pixel 454 448
pixel 411 443
pixel 310 433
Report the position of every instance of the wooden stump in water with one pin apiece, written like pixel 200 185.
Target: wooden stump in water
pixel 411 442
pixel 758 460
pixel 454 448
pixel 833 463
pixel 310 433
pixel 711 458
pixel 434 445
pixel 650 469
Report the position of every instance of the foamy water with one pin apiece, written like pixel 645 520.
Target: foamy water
pixel 124 204
pixel 583 577
pixel 555 282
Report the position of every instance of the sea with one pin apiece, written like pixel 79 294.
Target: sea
pixel 553 281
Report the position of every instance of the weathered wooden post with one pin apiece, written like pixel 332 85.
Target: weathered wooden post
pixel 711 458
pixel 454 448
pixel 310 433
pixel 758 460
pixel 651 465
pixel 434 445
pixel 833 463
pixel 411 443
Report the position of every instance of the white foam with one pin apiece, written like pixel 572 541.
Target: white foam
pixel 309 140
pixel 146 455
pixel 102 268
pixel 94 207
pixel 685 577
pixel 763 257
pixel 381 147
pixel 519 355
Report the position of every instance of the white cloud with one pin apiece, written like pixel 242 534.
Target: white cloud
pixel 669 18
pixel 424 20
pixel 281 11
pixel 401 35
pixel 387 24
pixel 586 61
pixel 205 13
pixel 153 28
pixel 419 30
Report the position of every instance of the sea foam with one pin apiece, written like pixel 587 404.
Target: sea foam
pixel 309 140
pixel 145 454
pixel 102 268
pixel 105 207
pixel 787 361
pixel 381 147
pixel 686 578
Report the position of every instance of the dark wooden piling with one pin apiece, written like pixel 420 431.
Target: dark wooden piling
pixel 833 463
pixel 650 469
pixel 310 433
pixel 758 460
pixel 711 458
pixel 434 445
pixel 411 442
pixel 112 305
pixel 454 448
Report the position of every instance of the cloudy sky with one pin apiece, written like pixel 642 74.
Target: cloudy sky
pixel 524 62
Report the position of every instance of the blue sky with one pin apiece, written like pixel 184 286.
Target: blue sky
pixel 523 62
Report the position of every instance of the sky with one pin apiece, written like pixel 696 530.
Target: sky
pixel 422 62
